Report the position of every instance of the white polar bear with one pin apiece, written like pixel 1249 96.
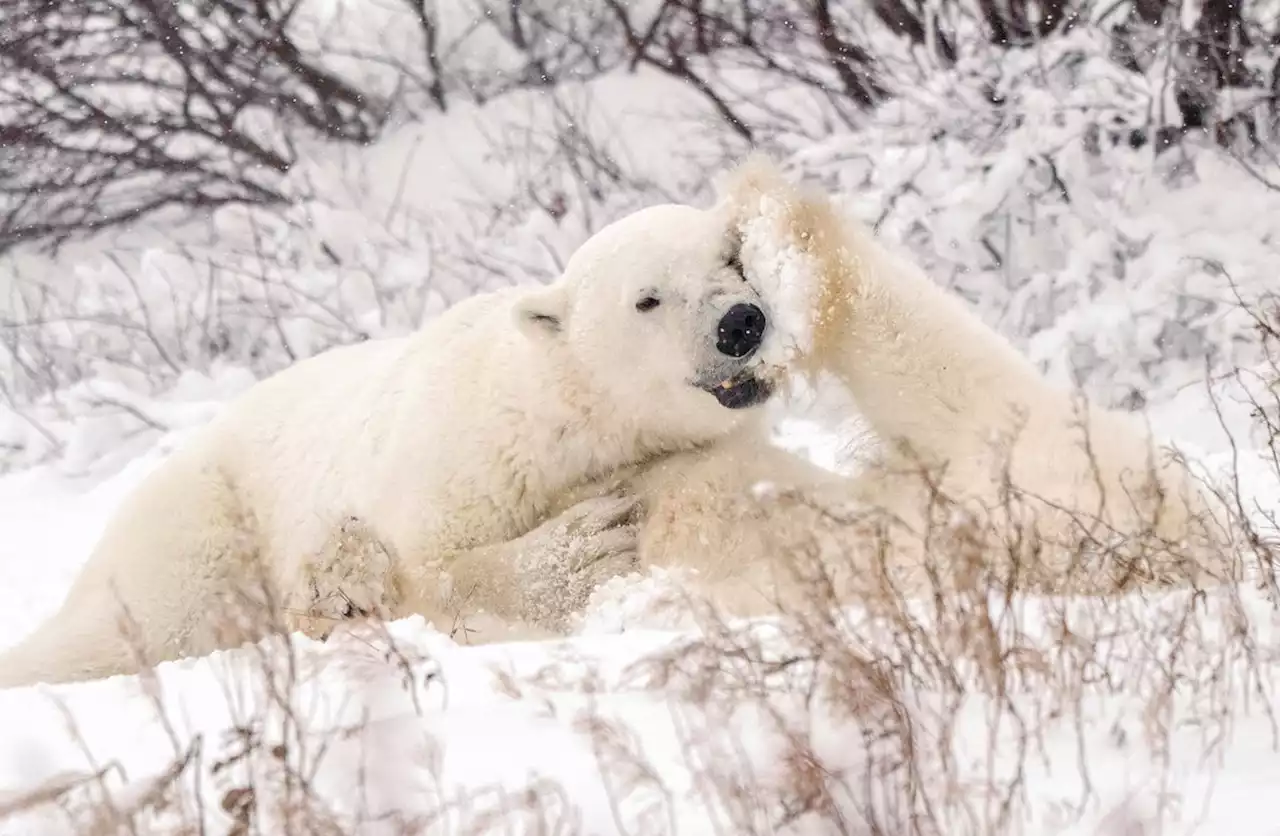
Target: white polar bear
pixel 469 467
pixel 415 475
pixel 1059 497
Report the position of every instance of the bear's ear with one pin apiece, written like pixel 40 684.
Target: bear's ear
pixel 542 313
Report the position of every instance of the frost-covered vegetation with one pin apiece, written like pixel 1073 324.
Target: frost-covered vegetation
pixel 195 195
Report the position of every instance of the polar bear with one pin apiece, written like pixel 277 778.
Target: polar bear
pixel 984 468
pixel 407 475
pixel 482 467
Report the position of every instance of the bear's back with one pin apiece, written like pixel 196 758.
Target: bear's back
pixel 365 428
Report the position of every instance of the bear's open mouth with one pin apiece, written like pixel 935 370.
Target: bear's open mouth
pixel 741 391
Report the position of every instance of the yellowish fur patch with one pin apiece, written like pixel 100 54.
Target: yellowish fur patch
pixel 807 222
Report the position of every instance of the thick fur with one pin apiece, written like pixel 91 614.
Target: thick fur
pixel 989 472
pixel 417 475
pixel 523 445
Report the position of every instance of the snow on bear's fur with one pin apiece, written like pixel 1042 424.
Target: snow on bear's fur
pixel 415 475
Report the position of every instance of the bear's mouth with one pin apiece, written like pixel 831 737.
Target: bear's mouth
pixel 740 391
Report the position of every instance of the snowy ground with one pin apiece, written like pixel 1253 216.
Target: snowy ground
pixel 572 736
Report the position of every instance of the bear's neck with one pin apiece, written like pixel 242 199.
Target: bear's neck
pixel 577 434
pixel 922 367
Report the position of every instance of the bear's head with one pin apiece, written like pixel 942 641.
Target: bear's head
pixel 656 313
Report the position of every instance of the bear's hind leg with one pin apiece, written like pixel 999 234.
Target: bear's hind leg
pixel 161 583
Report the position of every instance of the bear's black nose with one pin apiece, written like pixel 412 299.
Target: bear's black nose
pixel 741 330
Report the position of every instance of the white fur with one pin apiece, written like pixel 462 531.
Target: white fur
pixel 415 475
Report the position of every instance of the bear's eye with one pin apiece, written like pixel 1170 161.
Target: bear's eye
pixel 646 304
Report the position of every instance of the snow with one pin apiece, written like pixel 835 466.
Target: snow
pixel 581 733
pixel 785 276
pixel 614 730
pixel 594 733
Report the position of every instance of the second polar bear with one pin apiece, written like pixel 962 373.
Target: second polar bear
pixel 416 474
pixel 986 470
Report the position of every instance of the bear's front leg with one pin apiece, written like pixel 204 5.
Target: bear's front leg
pixel 348 579
pixel 541 578
pixel 562 561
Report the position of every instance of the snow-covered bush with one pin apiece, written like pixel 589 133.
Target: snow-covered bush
pixel 111 112
pixel 1011 175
